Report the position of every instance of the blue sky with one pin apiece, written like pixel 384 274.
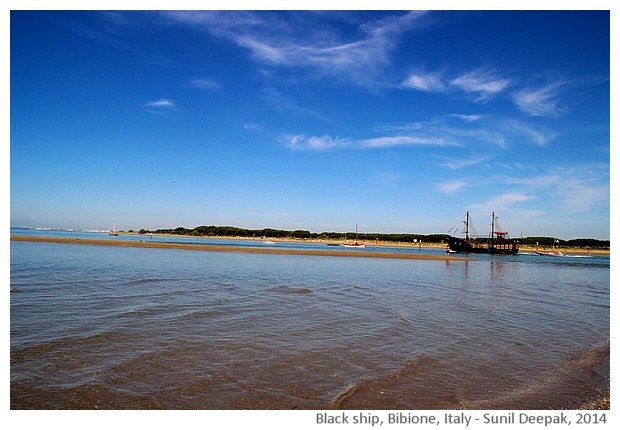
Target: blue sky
pixel 398 121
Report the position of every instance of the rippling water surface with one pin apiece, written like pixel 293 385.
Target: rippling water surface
pixel 113 327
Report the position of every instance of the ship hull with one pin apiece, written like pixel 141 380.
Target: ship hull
pixel 497 248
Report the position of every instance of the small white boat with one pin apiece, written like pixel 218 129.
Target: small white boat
pixel 113 232
pixel 355 244
pixel 552 253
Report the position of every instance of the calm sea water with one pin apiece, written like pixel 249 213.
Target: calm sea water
pixel 113 327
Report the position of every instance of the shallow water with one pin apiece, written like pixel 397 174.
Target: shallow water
pixel 112 327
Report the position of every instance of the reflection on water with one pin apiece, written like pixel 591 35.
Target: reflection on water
pixel 99 327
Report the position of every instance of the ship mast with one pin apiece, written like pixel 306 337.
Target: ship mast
pixel 492 226
pixel 467 226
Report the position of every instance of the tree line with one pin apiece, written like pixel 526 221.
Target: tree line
pixel 228 231
pixel 551 241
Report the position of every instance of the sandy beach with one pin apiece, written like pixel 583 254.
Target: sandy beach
pixel 217 248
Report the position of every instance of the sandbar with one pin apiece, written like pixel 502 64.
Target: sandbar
pixel 228 248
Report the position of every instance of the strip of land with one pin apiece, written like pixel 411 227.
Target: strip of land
pixel 222 248
pixel 566 250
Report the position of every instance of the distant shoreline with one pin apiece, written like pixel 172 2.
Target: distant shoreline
pixel 415 245
pixel 369 244
pixel 230 248
pixel 567 250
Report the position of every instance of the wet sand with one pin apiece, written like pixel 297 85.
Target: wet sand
pixel 219 248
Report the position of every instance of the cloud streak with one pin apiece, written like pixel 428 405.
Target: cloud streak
pixel 308 41
pixel 428 82
pixel 473 130
pixel 452 130
pixel 451 187
pixel 506 200
pixel 461 163
pixel 576 190
pixel 160 106
pixel 541 101
pixel 394 141
pixel 206 84
pixel 481 85
pixel 282 102
pixel 301 142
pixel 161 103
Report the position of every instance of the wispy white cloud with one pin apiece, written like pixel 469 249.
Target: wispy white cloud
pixel 323 143
pixel 526 197
pixel 538 137
pixel 505 201
pixel 574 190
pixel 301 142
pixel 205 84
pixel 394 141
pixel 429 82
pixel 542 101
pixel 470 131
pixel 461 163
pixel 160 106
pixel 501 132
pixel 295 40
pixel 451 187
pixel 252 126
pixel 161 103
pixel 467 118
pixel 581 195
pixel 269 53
pixel 282 102
pixel 482 84
pixel 455 130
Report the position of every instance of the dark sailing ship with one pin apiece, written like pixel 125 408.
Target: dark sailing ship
pixel 497 242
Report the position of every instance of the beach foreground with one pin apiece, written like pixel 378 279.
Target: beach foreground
pixel 218 248
pixel 127 327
